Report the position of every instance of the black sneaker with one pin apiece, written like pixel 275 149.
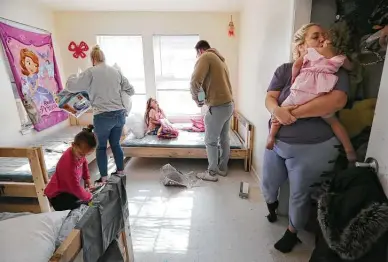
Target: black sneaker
pixel 100 181
pixel 287 242
pixel 272 216
pixel 117 173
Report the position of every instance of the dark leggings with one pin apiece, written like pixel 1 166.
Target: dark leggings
pixel 65 201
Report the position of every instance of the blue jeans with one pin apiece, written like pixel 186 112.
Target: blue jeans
pixel 302 165
pixel 109 126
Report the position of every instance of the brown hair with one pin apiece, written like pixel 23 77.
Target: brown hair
pixel 28 53
pixel 86 137
pixel 299 38
pixel 148 109
pixel 202 45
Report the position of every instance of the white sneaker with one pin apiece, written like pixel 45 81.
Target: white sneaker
pixel 222 173
pixel 207 176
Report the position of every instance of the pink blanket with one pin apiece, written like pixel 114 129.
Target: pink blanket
pixel 198 125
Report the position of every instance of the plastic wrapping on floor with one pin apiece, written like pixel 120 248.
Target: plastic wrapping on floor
pixel 70 222
pixel 104 220
pixel 173 177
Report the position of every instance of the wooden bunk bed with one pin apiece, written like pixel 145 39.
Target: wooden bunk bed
pixel 72 245
pixel 242 132
pixel 30 190
pixel 26 192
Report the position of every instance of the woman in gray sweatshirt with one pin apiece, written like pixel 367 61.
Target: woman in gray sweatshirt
pixel 105 86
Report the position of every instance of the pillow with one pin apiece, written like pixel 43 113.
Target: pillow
pixel 30 237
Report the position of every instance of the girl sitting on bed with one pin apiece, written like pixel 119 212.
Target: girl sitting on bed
pixel 152 116
pixel 64 190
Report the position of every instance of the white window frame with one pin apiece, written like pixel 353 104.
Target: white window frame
pixel 149 71
pixel 177 117
pixel 132 79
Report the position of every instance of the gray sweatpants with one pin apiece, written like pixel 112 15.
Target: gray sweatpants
pixel 302 165
pixel 217 125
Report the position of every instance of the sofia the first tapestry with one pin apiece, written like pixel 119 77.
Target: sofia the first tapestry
pixel 33 65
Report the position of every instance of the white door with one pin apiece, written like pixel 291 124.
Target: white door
pixel 378 142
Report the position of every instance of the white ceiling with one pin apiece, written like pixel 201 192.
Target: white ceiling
pixel 143 5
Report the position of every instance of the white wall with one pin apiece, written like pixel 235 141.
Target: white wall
pixel 265 39
pixel 85 26
pixel 29 13
pixel 378 142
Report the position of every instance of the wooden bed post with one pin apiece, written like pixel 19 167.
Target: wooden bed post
pixel 73 120
pixel 250 136
pixel 43 165
pixel 38 178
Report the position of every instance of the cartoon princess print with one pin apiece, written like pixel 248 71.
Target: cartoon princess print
pixel 29 63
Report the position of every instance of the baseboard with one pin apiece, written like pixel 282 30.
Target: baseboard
pixel 255 175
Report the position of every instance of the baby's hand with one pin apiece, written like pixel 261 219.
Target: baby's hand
pixel 327 43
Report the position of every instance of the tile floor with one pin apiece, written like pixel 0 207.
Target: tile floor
pixel 206 223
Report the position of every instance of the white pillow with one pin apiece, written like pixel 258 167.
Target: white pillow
pixel 135 123
pixel 31 237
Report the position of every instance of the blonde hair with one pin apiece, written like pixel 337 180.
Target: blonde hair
pixel 299 38
pixel 97 55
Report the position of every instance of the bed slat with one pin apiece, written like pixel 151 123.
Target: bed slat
pixel 17 189
pixel 37 176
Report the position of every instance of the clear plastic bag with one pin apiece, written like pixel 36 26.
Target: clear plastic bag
pixel 173 177
pixel 135 124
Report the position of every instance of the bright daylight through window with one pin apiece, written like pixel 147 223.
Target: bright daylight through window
pixel 127 53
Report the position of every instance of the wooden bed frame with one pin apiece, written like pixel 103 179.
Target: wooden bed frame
pixel 72 245
pixel 40 178
pixel 39 173
pixel 33 189
pixel 240 126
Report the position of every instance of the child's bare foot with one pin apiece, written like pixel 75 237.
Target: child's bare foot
pixel 270 143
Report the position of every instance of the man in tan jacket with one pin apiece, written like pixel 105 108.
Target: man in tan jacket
pixel 212 75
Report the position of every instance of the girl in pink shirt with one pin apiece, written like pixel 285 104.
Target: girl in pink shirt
pixel 152 116
pixel 64 190
pixel 313 74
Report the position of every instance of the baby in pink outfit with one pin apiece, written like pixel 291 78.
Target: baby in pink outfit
pixel 313 74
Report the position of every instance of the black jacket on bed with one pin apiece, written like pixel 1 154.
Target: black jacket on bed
pixel 353 219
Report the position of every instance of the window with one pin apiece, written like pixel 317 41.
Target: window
pixel 127 53
pixel 174 58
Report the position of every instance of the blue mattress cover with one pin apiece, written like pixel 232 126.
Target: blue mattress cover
pixel 18 169
pixel 185 139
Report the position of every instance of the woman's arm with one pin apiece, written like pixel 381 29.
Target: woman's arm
pixel 326 104
pixel 126 86
pixel 278 82
pixel 322 105
pixel 79 83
